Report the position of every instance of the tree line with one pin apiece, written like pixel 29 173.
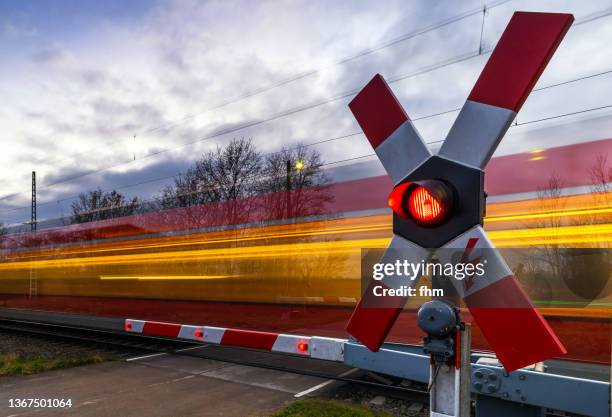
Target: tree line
pixel 232 173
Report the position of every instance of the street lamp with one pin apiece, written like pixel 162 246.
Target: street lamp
pixel 299 165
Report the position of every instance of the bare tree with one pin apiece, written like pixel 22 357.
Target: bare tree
pixel 601 175
pixel 100 205
pixel 294 183
pixel 227 174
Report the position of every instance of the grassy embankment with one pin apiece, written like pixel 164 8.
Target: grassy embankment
pixel 326 408
pixel 12 364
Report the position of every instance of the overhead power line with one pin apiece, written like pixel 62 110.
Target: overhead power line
pixel 298 109
pixel 284 114
pixel 327 163
pixel 345 60
pixel 307 73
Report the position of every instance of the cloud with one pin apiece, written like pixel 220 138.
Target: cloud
pixel 53 54
pixel 14 31
pixel 187 70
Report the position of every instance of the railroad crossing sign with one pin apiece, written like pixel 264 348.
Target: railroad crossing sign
pixel 438 200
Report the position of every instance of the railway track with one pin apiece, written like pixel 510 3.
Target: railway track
pixel 129 346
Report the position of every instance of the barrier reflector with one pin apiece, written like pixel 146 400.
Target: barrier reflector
pixel 191 332
pixel 287 343
pixel 134 326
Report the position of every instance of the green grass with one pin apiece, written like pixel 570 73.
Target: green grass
pixel 326 408
pixel 16 365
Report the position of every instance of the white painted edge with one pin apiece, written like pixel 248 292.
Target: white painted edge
pixel 402 152
pixel 327 348
pixel 288 343
pixel 189 332
pixel 213 334
pixel 137 325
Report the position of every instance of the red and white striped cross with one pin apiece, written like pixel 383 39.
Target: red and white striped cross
pixel 515 330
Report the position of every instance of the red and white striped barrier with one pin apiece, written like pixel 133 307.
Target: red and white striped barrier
pixel 313 346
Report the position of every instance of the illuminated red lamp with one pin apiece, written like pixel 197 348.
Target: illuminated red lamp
pixel 198 333
pixel 397 198
pixel 303 347
pixel 424 207
pixel 427 203
pixel 128 325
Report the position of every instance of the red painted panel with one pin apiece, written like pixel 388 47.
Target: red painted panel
pixel 371 323
pixel 517 332
pixel 377 110
pixel 522 53
pixel 155 328
pixel 249 339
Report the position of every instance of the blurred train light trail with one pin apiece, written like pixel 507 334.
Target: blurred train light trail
pixel 560 213
pixel 564 235
pixel 166 277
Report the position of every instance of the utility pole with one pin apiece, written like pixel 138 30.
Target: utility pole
pixel 33 219
pixel 288 188
pixel 33 290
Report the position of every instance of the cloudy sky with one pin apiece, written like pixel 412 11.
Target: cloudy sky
pixel 80 78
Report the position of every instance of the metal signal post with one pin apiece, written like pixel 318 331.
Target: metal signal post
pixel 448 344
pixel 438 204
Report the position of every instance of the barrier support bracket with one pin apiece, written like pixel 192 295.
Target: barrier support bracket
pixel 528 390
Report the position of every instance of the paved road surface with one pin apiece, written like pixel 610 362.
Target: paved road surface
pixel 162 385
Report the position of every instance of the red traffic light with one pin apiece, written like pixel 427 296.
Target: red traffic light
pixel 427 203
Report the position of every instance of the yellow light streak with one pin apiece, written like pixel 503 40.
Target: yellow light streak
pixel 556 204
pixel 165 277
pixel 564 231
pixel 309 232
pixel 318 229
pixel 547 215
pixel 249 252
pixel 537 236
